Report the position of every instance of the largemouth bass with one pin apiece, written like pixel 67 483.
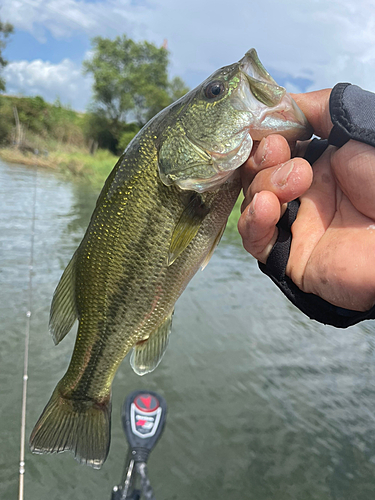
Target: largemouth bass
pixel 157 220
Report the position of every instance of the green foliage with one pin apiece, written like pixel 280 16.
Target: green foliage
pixel 94 169
pixel 5 30
pixel 125 139
pixel 130 80
pixel 6 121
pixel 98 127
pixel 177 88
pixel 234 216
pixel 50 126
pixel 49 122
pixel 128 76
pixel 58 133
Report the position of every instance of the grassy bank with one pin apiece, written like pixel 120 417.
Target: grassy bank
pixel 62 138
pixel 71 162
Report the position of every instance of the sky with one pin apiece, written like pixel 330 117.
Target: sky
pixel 304 44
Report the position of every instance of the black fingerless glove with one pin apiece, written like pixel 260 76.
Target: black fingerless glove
pixel 353 116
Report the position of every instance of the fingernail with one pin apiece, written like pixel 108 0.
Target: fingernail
pixel 280 176
pixel 261 152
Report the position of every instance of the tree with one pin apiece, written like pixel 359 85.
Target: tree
pixel 177 88
pixel 5 30
pixel 130 80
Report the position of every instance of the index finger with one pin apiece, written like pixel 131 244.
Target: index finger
pixel 315 106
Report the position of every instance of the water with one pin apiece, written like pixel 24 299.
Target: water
pixel 263 403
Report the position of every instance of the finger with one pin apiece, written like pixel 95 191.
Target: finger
pixel 257 225
pixel 315 106
pixel 271 151
pixel 287 181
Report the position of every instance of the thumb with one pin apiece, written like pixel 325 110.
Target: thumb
pixel 353 165
pixel 315 106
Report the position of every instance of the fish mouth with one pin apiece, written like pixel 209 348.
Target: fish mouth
pixel 273 110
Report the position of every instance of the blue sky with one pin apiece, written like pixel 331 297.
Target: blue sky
pixel 304 44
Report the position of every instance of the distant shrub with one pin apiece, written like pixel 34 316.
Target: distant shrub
pixel 125 139
pixel 6 122
pixel 39 118
pixel 49 126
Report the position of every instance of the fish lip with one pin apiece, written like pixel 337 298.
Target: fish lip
pixel 285 118
pixel 251 66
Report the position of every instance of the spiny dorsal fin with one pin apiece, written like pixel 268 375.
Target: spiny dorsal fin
pixel 147 354
pixel 187 227
pixel 214 245
pixel 63 309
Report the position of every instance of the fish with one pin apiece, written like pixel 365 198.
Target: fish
pixel 158 219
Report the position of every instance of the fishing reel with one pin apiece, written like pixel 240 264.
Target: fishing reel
pixel 143 418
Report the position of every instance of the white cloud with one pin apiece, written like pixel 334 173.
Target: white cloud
pixel 63 18
pixel 64 81
pixel 338 43
pixel 326 41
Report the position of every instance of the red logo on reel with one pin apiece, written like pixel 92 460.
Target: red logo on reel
pixel 146 403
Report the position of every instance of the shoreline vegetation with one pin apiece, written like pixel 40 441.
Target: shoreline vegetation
pixel 74 164
pixel 36 133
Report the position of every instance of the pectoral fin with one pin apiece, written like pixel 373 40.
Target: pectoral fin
pixel 187 227
pixel 63 309
pixel 147 354
pixel 214 245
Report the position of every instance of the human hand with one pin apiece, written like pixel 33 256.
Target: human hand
pixel 333 237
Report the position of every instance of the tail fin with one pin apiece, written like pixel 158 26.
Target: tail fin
pixel 82 427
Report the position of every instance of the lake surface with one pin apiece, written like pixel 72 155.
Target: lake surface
pixel 262 402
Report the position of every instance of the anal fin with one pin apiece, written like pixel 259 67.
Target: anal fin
pixel 147 354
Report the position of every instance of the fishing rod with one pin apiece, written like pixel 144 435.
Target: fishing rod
pixel 143 418
pixel 25 377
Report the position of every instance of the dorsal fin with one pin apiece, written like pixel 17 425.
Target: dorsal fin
pixel 63 309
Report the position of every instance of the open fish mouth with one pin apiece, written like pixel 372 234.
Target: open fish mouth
pixel 273 110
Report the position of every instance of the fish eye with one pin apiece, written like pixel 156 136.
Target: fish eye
pixel 214 89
